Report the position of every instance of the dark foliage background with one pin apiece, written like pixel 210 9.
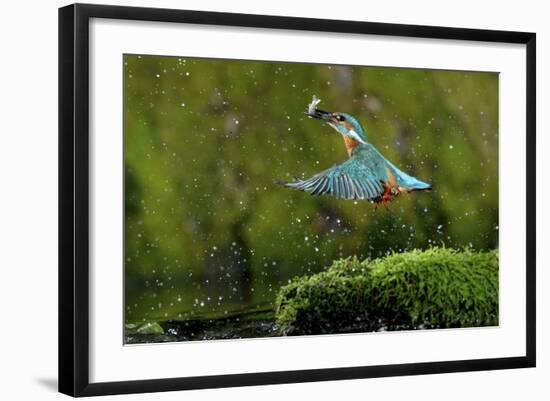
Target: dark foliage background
pixel 208 231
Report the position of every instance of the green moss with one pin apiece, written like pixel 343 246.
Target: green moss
pixel 436 288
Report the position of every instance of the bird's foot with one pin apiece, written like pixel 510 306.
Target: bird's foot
pixel 387 196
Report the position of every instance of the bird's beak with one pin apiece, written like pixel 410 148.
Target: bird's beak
pixel 319 114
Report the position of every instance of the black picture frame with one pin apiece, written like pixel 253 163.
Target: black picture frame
pixel 74 198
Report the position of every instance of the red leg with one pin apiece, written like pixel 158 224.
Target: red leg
pixel 387 196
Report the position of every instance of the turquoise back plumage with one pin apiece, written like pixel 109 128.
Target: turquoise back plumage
pixel 403 180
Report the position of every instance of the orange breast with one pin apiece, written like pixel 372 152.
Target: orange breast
pixel 350 144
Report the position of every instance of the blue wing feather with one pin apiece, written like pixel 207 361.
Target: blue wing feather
pixel 352 179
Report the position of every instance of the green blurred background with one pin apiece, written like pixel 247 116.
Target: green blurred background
pixel 207 230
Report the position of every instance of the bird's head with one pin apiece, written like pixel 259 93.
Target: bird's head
pixel 345 124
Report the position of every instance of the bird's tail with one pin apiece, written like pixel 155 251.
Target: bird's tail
pixel 411 183
pixel 417 185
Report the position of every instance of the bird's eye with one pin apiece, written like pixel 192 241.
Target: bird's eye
pixel 340 117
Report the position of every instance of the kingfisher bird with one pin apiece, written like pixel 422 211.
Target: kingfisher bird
pixel 366 175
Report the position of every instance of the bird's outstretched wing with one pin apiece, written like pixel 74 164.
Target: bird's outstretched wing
pixel 352 179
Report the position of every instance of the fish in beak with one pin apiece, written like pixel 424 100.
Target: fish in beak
pixel 314 112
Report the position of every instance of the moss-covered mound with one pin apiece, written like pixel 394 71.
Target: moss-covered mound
pixel 436 288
